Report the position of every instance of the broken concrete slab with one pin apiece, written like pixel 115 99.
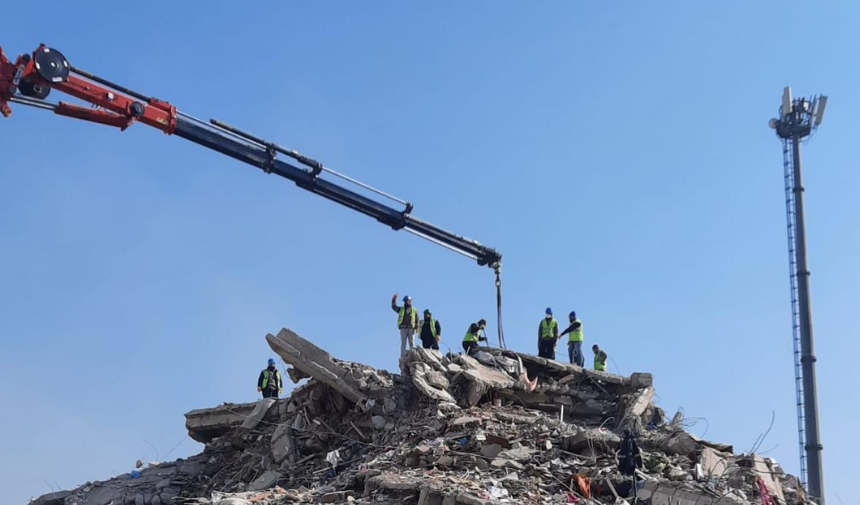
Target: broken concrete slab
pixel 639 380
pixel 431 357
pixel 297 375
pixel 420 373
pixel 56 498
pixel 205 425
pixel 670 493
pixel 631 418
pixel 437 379
pixel 315 362
pixel 258 413
pixel 713 463
pixel 600 440
pixel 490 450
pixel 765 472
pixel 282 444
pixel 680 442
pixel 265 481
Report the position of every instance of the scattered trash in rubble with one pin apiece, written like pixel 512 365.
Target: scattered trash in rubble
pixel 499 427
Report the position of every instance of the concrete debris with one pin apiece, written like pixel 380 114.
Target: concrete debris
pixel 258 413
pixel 499 427
pixel 313 361
pixel 265 481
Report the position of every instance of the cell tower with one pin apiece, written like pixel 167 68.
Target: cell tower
pixel 798 119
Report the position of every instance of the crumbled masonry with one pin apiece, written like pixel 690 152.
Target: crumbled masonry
pixel 497 427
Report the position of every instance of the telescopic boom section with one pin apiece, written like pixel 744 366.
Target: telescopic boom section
pixel 29 80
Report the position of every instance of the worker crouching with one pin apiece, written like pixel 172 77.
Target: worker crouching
pixel 473 336
pixel 600 358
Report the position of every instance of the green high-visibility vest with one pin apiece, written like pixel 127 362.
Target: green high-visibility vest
pixel 470 337
pixel 576 335
pixel 598 365
pixel 546 329
pixel 277 378
pixel 414 316
pixel 433 327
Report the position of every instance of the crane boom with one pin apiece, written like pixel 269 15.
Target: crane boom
pixel 31 78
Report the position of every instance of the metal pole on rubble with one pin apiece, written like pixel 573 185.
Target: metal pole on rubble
pixel 799 118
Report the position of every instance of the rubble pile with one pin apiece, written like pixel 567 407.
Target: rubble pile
pixel 496 427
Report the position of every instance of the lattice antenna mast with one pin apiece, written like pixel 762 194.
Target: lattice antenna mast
pixel 798 119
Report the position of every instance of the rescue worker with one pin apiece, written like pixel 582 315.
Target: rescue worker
pixel 600 358
pixel 574 344
pixel 547 335
pixel 270 383
pixel 473 336
pixel 431 331
pixel 407 321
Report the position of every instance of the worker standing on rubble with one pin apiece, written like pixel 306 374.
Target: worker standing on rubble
pixel 599 358
pixel 270 383
pixel 574 344
pixel 431 331
pixel 407 321
pixel 547 335
pixel 474 335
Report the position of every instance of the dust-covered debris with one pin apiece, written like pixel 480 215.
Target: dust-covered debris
pixel 499 427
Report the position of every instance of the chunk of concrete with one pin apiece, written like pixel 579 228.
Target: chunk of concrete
pixel 437 379
pixel 640 380
pixel 56 498
pixel 670 493
pixel 681 443
pixel 713 463
pixel 420 372
pixel 296 375
pixel 766 473
pixel 258 413
pixel 603 442
pixel 265 481
pixel 205 425
pixel 491 450
pixel 315 362
pixel 631 419
pixel 282 443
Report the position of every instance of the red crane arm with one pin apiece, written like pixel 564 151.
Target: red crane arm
pixel 46 69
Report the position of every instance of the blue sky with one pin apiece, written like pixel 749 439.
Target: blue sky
pixel 616 153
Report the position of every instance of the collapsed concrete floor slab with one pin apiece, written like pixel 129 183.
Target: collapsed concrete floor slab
pixel 496 427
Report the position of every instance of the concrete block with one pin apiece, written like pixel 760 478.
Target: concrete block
pixel 315 362
pixel 265 481
pixel 258 413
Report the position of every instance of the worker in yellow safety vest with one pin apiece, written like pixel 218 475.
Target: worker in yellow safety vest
pixel 269 383
pixel 407 321
pixel 431 331
pixel 574 344
pixel 547 335
pixel 600 358
pixel 474 335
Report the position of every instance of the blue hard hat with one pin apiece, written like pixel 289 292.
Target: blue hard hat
pixel 407 298
pixel 271 361
pixel 549 311
pixel 573 314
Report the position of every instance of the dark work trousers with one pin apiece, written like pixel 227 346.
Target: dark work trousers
pixel 574 353
pixel 470 347
pixel 546 348
pixel 430 344
pixel 270 393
